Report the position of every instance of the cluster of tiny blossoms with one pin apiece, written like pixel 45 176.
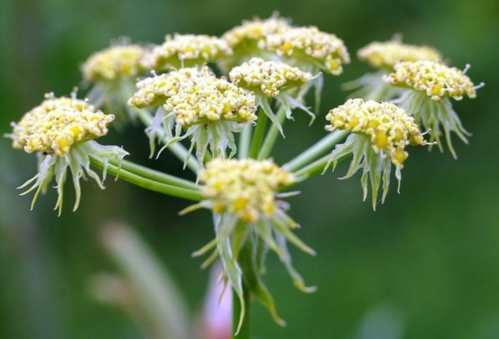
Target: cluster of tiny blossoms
pixel 309 45
pixel 255 30
pixel 387 54
pixel 196 96
pixel 187 50
pixel 389 127
pixel 268 77
pixel 57 124
pixel 435 79
pixel 246 188
pixel 114 63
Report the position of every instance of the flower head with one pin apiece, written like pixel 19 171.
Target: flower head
pixel 114 63
pixel 268 77
pixel 187 50
pixel 245 39
pixel 57 124
pixel 435 79
pixel 389 128
pixel 387 54
pixel 207 108
pixel 244 198
pixel 309 48
pixel 61 130
pixel 245 188
pixel 253 31
pixel 379 135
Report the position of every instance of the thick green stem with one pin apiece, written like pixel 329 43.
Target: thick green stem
pixel 271 136
pixel 149 184
pixel 256 141
pixel 155 175
pixel 176 148
pixel 319 148
pixel 244 332
pixel 244 142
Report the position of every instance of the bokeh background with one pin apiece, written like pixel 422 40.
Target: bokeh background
pixel 429 257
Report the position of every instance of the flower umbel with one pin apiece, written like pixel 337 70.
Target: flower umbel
pixel 244 39
pixel 435 79
pixel 114 63
pixel 309 48
pixel 112 73
pixel 243 196
pixel 388 53
pixel 380 133
pixel 383 56
pixel 61 131
pixel 273 79
pixel 187 50
pixel 195 103
pixel 428 89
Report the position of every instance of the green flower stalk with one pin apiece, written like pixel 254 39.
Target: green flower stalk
pixel 382 56
pixel 112 74
pixel 379 135
pixel 62 132
pixel 273 80
pixel 428 88
pixel 243 196
pixel 193 103
pixel 186 50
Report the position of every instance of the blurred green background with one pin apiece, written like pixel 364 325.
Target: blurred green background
pixel 430 254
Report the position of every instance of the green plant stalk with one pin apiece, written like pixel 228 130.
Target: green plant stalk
pixel 316 150
pixel 271 136
pixel 244 332
pixel 149 184
pixel 256 141
pixel 244 142
pixel 155 175
pixel 176 148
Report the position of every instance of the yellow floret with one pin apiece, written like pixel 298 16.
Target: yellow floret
pixel 114 63
pixel 246 188
pixel 309 46
pixel 436 80
pixel 388 127
pixel 387 54
pixel 57 124
pixel 268 77
pixel 187 50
